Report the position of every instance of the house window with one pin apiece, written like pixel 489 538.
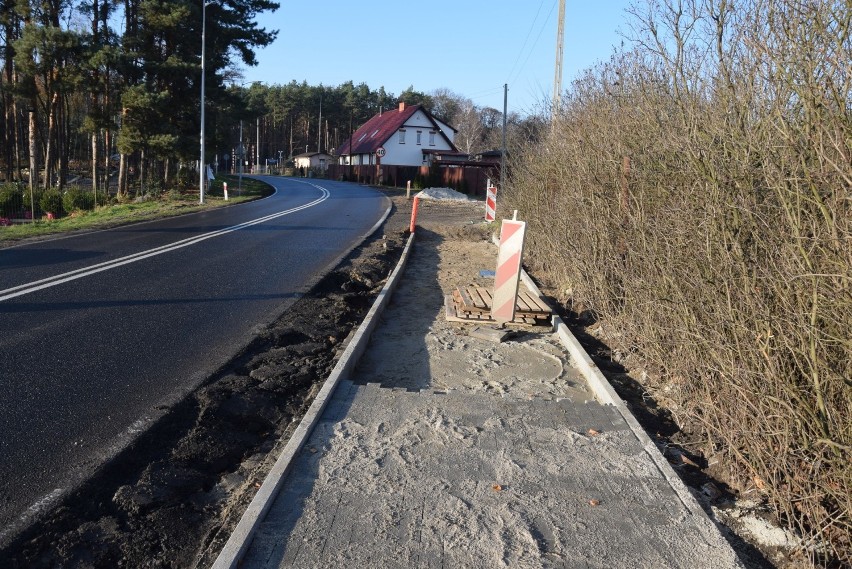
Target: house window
pixel 419 134
pixel 402 136
pixel 431 138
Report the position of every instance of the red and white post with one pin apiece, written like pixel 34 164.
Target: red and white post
pixel 414 207
pixel 508 270
pixel 490 203
pixel 225 188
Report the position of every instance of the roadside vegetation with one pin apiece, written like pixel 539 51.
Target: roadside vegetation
pixel 105 95
pixel 75 209
pixel 695 198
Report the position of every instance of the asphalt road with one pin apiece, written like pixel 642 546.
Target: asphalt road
pixel 99 333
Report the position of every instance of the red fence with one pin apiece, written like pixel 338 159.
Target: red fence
pixel 466 177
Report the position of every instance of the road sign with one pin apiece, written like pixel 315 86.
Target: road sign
pixel 380 151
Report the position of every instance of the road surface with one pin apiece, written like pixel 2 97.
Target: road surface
pixel 101 332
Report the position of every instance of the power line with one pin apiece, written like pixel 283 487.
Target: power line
pixel 521 51
pixel 544 25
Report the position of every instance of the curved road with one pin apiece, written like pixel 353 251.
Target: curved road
pixel 100 332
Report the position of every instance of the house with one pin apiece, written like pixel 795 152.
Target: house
pixel 409 136
pixel 313 161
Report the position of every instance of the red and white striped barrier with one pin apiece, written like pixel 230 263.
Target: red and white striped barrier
pixel 508 270
pixel 491 204
pixel 414 207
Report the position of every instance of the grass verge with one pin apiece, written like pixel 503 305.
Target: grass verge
pixel 113 215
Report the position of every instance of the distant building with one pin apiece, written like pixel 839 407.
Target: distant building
pixel 313 160
pixel 489 156
pixel 406 136
pixel 409 145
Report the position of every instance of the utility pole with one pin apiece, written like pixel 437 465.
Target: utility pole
pixel 242 158
pixel 202 175
pixel 557 76
pixel 503 150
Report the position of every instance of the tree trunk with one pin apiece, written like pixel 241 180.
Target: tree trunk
pixel 107 139
pixel 93 99
pixel 63 142
pixel 95 164
pixel 18 126
pixel 122 175
pixel 33 140
pixel 10 132
pixel 141 190
pixel 50 144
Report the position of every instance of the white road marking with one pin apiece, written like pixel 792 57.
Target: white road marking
pixel 34 286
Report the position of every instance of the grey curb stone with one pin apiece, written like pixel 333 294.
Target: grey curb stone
pixel 240 539
pixel 606 395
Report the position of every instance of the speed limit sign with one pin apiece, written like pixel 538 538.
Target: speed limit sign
pixel 380 151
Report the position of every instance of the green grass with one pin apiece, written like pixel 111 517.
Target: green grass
pixel 124 213
pixel 251 189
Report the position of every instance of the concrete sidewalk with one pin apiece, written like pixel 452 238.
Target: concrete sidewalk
pixel 444 450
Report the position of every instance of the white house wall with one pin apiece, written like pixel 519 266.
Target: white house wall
pixel 411 153
pixel 448 130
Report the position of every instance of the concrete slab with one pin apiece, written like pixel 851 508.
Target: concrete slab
pixel 489 474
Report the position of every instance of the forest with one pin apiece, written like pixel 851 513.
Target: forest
pixel 105 94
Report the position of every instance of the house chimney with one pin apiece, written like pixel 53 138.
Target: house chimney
pixel 401 106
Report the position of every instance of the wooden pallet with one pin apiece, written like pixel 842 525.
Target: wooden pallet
pixel 473 304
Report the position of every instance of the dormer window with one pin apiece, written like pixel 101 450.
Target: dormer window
pixel 402 136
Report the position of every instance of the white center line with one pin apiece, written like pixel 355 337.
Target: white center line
pixel 34 286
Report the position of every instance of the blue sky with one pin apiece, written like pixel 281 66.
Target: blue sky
pixel 471 47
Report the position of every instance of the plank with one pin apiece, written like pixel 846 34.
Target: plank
pixel 473 302
pixel 537 301
pixel 478 299
pixel 465 299
pixel 486 296
pixel 454 313
pixel 521 305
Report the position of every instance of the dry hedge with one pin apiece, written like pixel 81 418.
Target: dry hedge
pixel 696 193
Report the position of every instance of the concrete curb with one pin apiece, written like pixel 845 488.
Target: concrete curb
pixel 607 396
pixel 241 537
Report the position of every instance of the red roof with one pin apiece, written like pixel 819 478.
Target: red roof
pixel 379 129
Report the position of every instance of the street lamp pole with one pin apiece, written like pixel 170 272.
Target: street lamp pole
pixel 202 173
pixel 257 151
pixel 242 159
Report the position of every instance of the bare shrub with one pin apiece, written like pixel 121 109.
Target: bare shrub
pixel 696 193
